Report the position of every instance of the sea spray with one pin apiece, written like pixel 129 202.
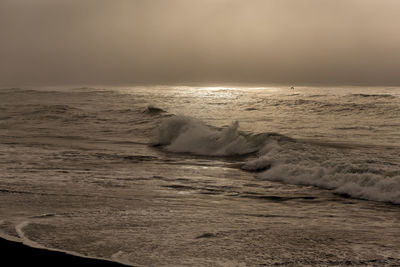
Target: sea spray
pixel 188 135
pixel 281 159
pixel 328 168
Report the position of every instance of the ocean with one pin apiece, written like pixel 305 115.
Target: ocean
pixel 204 176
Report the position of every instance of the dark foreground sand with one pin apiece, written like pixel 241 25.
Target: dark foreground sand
pixel 17 254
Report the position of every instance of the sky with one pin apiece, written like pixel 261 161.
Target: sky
pixel 307 42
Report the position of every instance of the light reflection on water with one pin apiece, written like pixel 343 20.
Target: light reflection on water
pixel 112 194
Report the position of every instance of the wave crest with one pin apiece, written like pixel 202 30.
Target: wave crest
pixel 189 135
pixel 359 185
pixel 285 160
pixel 152 110
pixel 328 168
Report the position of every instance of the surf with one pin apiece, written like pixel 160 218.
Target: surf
pixel 278 158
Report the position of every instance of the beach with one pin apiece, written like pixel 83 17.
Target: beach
pixel 16 254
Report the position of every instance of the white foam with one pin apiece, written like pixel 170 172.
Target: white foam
pixel 288 161
pixel 265 161
pixel 360 185
pixel 19 229
pixel 123 257
pixel 189 135
pixel 7 236
pixel 313 166
pixel 28 242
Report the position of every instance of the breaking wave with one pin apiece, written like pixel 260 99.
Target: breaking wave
pixel 303 164
pixel 152 110
pixel 189 135
pixel 281 159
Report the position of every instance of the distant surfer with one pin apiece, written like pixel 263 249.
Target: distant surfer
pixel 292 87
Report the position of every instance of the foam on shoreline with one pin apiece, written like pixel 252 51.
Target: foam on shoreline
pixel 22 255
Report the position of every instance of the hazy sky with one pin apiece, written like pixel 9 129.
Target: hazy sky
pixel 200 41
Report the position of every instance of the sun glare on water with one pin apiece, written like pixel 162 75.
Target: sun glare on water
pixel 218 88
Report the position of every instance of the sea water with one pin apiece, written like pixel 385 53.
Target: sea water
pixel 215 176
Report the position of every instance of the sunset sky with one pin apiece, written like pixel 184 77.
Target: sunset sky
pixel 209 41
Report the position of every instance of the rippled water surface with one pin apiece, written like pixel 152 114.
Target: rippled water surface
pixel 206 176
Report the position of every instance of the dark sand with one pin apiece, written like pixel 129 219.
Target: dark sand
pixel 16 254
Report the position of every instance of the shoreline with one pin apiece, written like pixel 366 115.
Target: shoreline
pixel 18 254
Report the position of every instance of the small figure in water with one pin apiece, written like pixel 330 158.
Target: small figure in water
pixel 292 87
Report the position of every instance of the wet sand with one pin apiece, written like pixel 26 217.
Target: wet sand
pixel 17 254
